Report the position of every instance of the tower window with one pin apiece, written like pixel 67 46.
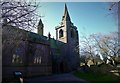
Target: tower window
pixel 72 33
pixel 60 33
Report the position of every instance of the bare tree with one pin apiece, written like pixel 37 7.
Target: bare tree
pixel 104 45
pixel 88 49
pixel 19 13
pixel 107 46
pixel 114 9
pixel 16 17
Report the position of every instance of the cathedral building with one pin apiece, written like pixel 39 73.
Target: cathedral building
pixel 35 54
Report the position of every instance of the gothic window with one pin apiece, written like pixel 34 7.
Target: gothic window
pixel 17 58
pixel 60 33
pixel 72 33
pixel 37 59
pixel 37 56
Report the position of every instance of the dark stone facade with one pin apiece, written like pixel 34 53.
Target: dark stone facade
pixel 28 54
pixel 34 54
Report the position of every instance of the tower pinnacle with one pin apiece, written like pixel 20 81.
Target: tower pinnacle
pixel 40 27
pixel 66 16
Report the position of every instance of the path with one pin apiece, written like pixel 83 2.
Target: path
pixel 68 77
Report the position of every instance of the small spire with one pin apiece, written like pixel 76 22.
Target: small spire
pixel 49 36
pixel 66 14
pixel 40 22
pixel 65 10
pixel 40 27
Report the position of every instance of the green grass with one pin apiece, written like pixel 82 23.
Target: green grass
pixel 95 77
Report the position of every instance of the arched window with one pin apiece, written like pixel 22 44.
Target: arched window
pixel 60 33
pixel 38 56
pixel 17 55
pixel 72 33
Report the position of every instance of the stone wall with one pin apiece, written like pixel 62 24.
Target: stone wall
pixel 30 57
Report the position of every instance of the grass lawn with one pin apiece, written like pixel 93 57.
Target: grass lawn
pixel 96 77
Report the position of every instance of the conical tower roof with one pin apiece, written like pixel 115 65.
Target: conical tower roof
pixel 40 22
pixel 66 14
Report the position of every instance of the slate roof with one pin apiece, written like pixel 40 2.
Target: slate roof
pixel 37 38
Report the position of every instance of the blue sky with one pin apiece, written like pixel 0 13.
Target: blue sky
pixel 89 17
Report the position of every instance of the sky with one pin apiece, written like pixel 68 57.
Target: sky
pixel 89 17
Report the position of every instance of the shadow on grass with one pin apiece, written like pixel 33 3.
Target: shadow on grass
pixel 97 76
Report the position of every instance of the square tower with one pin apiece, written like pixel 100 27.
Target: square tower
pixel 66 32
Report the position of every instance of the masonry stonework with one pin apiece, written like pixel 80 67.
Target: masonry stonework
pixel 34 54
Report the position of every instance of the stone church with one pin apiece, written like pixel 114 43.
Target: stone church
pixel 34 54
